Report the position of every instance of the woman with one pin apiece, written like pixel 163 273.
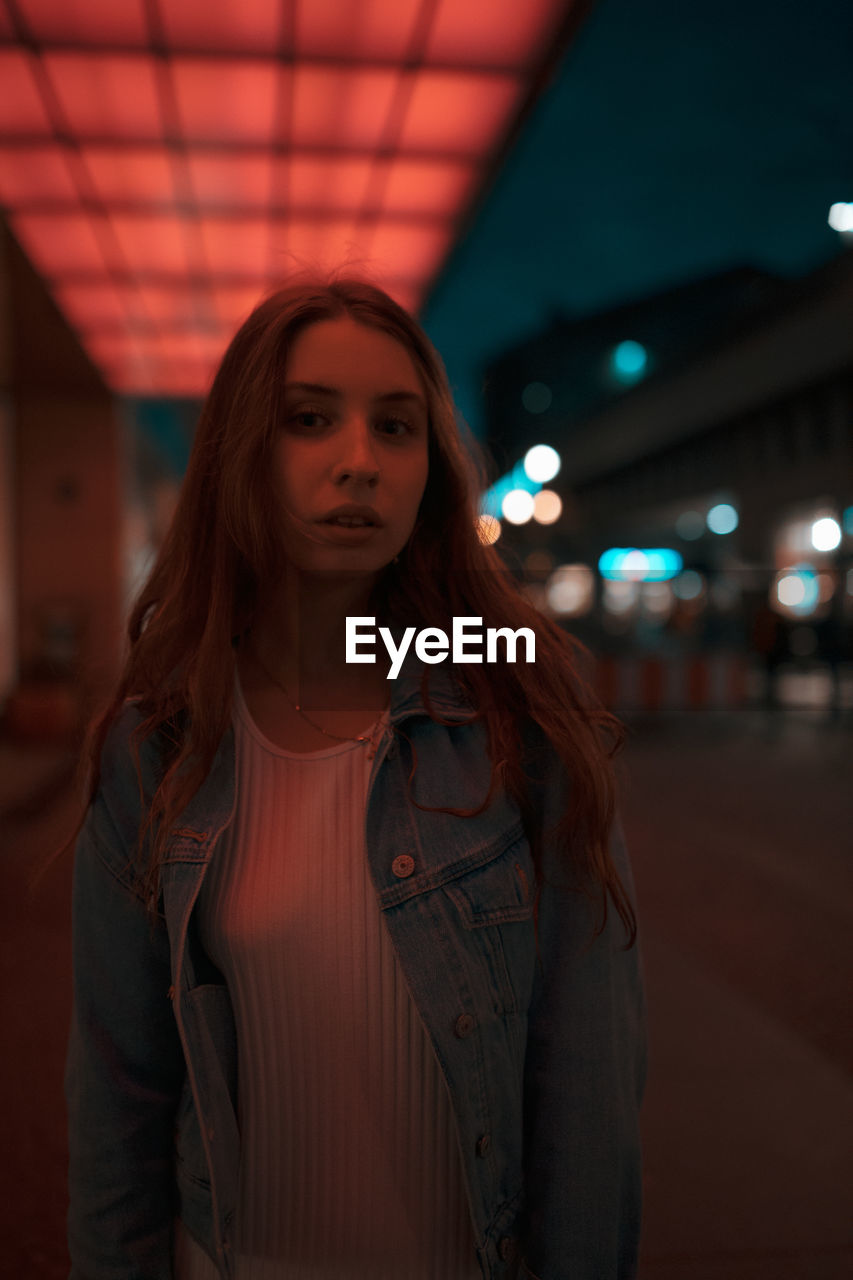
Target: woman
pixel 348 998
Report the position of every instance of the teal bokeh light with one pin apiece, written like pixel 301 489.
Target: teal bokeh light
pixel 628 361
pixel 661 564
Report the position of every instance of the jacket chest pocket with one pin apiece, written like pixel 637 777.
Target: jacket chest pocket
pixel 494 903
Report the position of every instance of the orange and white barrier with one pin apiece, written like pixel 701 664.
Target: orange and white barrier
pixel 651 685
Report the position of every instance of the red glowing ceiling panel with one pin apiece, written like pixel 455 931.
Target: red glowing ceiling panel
pixel 21 108
pixel 106 96
pixel 170 307
pixel 166 163
pixel 454 112
pixel 327 182
pixel 60 244
pixel 490 32
pixel 408 252
pixel 154 242
pixel 100 23
pixel 236 246
pixel 221 181
pixel 428 186
pixel 234 302
pixel 227 101
pixel 91 305
pixel 137 175
pixel 348 29
pixel 230 26
pixel 314 242
pixel 35 175
pixel 120 356
pixel 341 108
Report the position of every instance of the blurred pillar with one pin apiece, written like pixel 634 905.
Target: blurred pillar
pixel 63 439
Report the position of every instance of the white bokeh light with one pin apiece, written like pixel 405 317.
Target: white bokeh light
pixel 825 534
pixel 517 506
pixel 541 463
pixel 841 216
pixel 791 590
pixel 634 566
pixel 571 590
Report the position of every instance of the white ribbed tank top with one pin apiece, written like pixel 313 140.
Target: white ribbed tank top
pixel 350 1165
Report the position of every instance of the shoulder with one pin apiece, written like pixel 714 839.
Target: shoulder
pixel 126 740
pixel 130 769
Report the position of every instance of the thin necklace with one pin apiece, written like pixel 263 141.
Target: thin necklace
pixel 371 738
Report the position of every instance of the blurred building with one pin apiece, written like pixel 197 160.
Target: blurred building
pixel 713 421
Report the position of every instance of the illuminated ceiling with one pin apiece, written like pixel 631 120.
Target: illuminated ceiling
pixel 164 163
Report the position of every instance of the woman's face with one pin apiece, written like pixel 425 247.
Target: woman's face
pixel 354 431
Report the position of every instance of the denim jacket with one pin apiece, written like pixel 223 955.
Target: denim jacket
pixel 543 1052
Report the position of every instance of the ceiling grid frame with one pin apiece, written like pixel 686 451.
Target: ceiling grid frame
pixel 180 304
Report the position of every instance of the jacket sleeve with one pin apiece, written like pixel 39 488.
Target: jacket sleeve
pixel 584 1078
pixel 124 1065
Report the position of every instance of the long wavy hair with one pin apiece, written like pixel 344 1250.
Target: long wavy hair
pixel 224 541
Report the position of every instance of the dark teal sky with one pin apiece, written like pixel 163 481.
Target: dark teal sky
pixel 677 139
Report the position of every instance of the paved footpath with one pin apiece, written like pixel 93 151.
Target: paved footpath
pixel 740 837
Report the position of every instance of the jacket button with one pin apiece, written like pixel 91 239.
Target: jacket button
pixel 463 1026
pixel 483 1144
pixel 506 1248
pixel 403 866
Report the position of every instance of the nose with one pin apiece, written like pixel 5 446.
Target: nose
pixel 358 458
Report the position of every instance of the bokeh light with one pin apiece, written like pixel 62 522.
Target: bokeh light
pixel 620 597
pixel 657 599
pixel 722 518
pixel 628 361
pixel 536 397
pixel 841 216
pixel 796 590
pixel 690 525
pixel 825 534
pixel 651 565
pixel 689 585
pixel 571 590
pixel 547 506
pixel 517 506
pixel 541 463
pixel 488 529
pixel 538 563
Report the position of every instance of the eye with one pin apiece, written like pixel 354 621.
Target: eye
pixel 397 426
pixel 307 418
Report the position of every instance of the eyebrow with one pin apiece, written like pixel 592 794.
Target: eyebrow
pixel 387 397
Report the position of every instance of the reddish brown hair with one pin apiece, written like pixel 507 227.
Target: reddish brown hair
pixel 223 542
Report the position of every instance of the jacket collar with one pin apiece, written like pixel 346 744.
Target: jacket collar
pixel 213 804
pixel 446 693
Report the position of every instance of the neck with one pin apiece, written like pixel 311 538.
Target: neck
pixel 299 631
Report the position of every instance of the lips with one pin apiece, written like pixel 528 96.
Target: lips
pixel 341 516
